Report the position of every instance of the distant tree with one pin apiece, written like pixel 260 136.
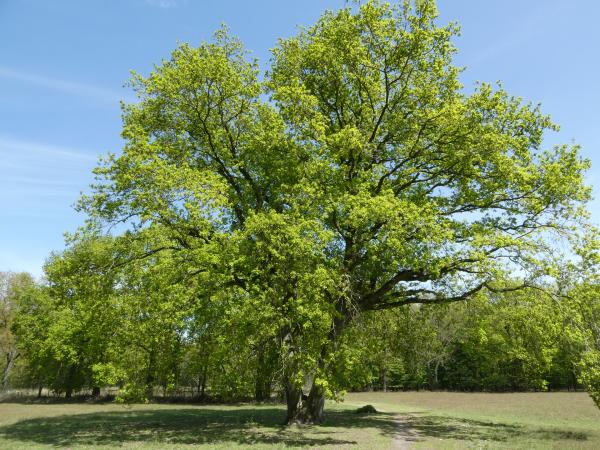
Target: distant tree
pixel 11 284
pixel 356 176
pixel 508 343
pixel 583 328
pixel 31 326
pixel 65 325
pixel 377 362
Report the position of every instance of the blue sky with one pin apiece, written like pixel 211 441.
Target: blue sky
pixel 64 63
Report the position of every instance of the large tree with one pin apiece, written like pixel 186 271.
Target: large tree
pixel 356 175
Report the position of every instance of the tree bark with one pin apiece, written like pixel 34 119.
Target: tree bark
pixel 69 381
pixel 204 376
pixel 264 374
pixel 150 376
pixel 11 357
pixel 309 409
pixel 302 408
pixel 384 379
pixel 262 389
pixel 436 378
pixel 573 380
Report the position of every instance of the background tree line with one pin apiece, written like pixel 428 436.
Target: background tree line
pixel 81 330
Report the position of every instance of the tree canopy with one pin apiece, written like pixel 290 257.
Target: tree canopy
pixel 355 175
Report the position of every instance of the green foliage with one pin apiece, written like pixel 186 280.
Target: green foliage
pixel 132 393
pixel 12 286
pixel 582 329
pixel 509 344
pixel 494 342
pixel 267 214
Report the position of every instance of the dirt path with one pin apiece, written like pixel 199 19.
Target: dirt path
pixel 404 436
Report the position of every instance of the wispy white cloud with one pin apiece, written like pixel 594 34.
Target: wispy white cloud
pixel 28 180
pixel 165 4
pixel 37 193
pixel 10 145
pixel 69 87
pixel 40 179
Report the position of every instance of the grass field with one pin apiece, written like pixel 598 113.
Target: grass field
pixel 418 420
pixel 508 421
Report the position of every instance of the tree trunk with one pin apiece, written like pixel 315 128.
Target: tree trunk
pixel 69 381
pixel 262 390
pixel 11 357
pixel 264 375
pixel 308 409
pixel 149 388
pixel 436 377
pixel 96 391
pixel 302 408
pixel 384 379
pixel 150 376
pixel 204 377
pixel 40 387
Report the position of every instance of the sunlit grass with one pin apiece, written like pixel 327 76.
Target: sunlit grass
pixel 561 420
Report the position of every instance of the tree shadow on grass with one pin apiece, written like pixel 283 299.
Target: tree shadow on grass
pixel 442 427
pixel 248 426
pixel 185 426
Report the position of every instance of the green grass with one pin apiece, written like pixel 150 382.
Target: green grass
pixel 445 420
pixel 412 419
pixel 182 426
